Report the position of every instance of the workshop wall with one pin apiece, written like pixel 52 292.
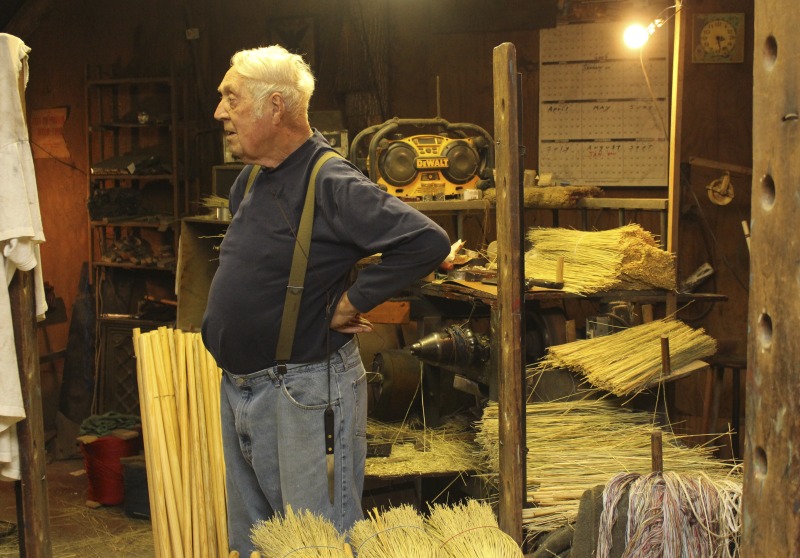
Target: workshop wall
pixel 374 60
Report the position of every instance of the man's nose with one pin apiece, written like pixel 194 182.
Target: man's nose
pixel 220 113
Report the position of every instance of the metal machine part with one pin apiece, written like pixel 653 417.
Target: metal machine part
pixel 393 384
pixel 455 348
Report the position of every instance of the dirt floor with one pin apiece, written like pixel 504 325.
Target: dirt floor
pixel 77 531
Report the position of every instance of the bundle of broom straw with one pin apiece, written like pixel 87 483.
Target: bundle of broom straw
pixel 673 515
pixel 550 197
pixel 395 533
pixel 301 534
pixel 179 399
pixel 466 530
pixel 420 451
pixel 630 360
pixel 622 258
pixel 470 530
pixel 576 445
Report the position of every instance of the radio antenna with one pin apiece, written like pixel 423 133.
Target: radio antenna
pixel 438 98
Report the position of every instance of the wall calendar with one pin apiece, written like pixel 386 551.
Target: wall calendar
pixel 600 121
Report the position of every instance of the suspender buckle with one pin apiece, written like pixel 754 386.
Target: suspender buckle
pixel 280 369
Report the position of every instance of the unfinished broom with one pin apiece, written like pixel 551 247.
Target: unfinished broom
pixel 470 530
pixel 630 360
pixel 398 532
pixel 622 258
pixel 300 534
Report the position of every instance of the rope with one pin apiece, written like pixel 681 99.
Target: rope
pixel 313 547
pixel 444 543
pixel 375 534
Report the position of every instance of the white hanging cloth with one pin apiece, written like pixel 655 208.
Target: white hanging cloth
pixel 20 235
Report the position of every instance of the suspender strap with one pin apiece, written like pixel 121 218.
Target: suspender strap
pixel 297 275
pixel 250 179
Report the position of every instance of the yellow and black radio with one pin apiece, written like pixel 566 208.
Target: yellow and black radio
pixel 427 166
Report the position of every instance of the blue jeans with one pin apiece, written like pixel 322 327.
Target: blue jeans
pixel 274 445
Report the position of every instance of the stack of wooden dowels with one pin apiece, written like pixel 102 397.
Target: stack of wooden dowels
pixel 179 400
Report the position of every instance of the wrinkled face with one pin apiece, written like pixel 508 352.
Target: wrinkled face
pixel 247 135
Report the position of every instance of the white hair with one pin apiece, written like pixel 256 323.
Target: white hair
pixel 273 69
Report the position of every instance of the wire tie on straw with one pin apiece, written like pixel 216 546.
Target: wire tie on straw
pixel 471 529
pixel 373 535
pixel 313 546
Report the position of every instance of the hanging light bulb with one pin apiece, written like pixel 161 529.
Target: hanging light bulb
pixel 637 35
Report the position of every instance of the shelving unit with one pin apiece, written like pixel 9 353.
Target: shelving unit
pixel 137 191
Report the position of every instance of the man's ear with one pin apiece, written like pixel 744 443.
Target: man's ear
pixel 276 106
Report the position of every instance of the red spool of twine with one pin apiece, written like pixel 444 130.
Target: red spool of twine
pixel 101 459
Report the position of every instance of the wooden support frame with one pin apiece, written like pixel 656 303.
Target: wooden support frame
pixel 772 419
pixel 675 128
pixel 33 509
pixel 510 292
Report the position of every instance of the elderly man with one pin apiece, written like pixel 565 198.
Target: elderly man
pixel 279 412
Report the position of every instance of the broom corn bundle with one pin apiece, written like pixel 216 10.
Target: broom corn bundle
pixel 630 360
pixel 398 532
pixel 421 451
pixel 576 445
pixel 178 384
pixel 301 534
pixel 622 258
pixel 470 530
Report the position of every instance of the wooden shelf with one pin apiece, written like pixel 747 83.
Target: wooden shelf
pixel 161 223
pixel 170 269
pixel 121 176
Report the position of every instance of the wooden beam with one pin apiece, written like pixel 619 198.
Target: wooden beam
pixel 32 505
pixel 772 455
pixel 510 291
pixel 675 127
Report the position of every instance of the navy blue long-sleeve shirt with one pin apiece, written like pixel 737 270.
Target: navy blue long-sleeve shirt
pixel 353 219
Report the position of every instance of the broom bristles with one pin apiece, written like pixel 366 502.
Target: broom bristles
pixel 303 534
pixel 630 360
pixel 395 533
pixel 623 258
pixel 576 445
pixel 470 530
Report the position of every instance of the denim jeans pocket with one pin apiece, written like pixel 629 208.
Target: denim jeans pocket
pixel 308 387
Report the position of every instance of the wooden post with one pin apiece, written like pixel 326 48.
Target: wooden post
pixel 676 115
pixel 510 291
pixel 772 455
pixel 33 507
pixel 657 451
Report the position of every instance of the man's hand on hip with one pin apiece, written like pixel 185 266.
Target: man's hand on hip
pixel 346 319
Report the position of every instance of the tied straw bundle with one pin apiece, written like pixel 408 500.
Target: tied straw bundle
pixel 301 534
pixel 395 533
pixel 470 530
pixel 673 516
pixel 179 398
pixel 622 258
pixel 467 530
pixel 576 445
pixel 423 451
pixel 630 360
